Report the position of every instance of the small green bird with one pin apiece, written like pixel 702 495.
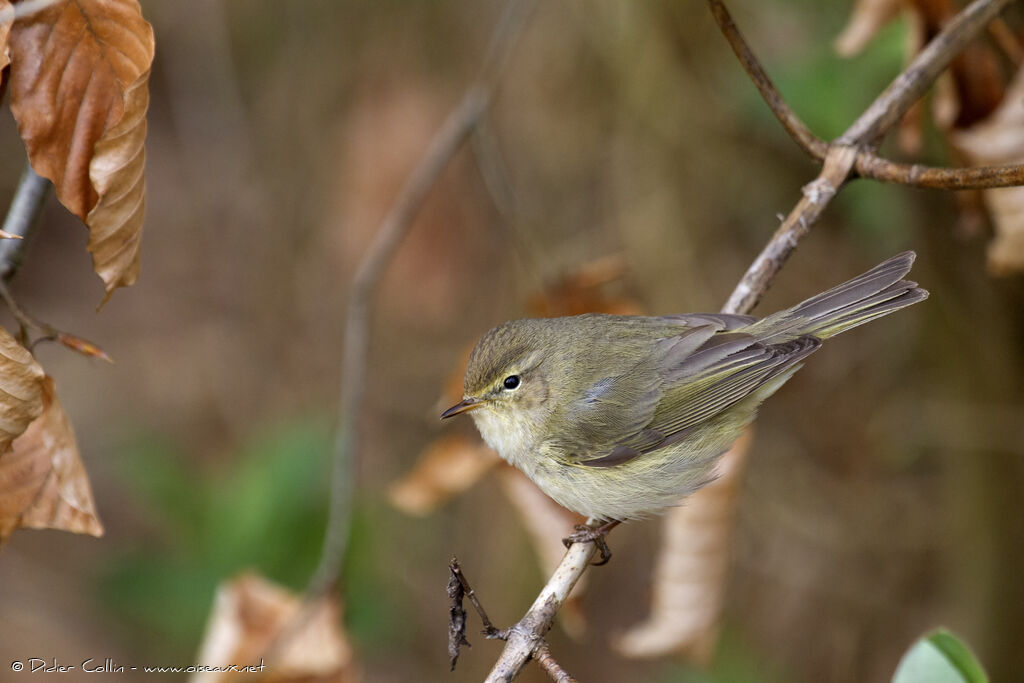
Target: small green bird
pixel 617 417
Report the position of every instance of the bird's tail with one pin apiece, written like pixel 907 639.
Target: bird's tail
pixel 878 292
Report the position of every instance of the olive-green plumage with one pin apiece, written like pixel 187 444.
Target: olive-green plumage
pixel 617 417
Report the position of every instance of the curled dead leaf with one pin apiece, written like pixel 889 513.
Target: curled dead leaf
pixel 79 92
pixel 691 568
pixel 21 390
pixel 43 484
pixel 249 613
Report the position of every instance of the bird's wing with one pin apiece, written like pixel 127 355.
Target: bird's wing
pixel 622 405
pixel 682 391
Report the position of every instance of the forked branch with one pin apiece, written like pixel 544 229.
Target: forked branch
pixel 909 87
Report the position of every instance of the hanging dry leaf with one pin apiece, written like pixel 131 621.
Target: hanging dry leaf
pixel 447 467
pixel 999 139
pixel 79 92
pixel 691 568
pixel 249 612
pixel 43 484
pixel 21 391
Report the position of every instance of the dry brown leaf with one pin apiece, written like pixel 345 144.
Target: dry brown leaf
pixel 447 467
pixel 249 613
pixel 691 568
pixel 79 92
pixel 21 391
pixel 999 139
pixel 43 484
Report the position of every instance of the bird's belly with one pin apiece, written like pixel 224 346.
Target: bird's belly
pixel 629 491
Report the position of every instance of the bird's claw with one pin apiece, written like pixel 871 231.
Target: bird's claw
pixel 589 534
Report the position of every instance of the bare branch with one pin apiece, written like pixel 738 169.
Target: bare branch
pixel 872 166
pixel 797 129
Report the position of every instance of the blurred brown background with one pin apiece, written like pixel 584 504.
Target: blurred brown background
pixel 883 494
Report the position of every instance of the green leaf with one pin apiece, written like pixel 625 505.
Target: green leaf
pixel 939 657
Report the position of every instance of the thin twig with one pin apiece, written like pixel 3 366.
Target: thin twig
pixel 21 218
pixel 797 129
pixel 389 235
pixel 489 630
pixel 869 165
pixel 550 666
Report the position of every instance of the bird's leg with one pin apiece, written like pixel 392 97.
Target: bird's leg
pixel 595 535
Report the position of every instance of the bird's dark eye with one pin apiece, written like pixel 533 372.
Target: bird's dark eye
pixel 511 382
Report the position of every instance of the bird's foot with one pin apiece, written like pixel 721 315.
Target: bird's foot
pixel 595 535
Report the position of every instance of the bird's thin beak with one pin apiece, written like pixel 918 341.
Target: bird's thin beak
pixel 464 406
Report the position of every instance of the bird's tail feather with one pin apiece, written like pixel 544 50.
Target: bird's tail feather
pixel 878 292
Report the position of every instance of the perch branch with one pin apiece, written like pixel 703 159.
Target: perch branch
pixel 528 635
pixel 526 638
pixel 389 235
